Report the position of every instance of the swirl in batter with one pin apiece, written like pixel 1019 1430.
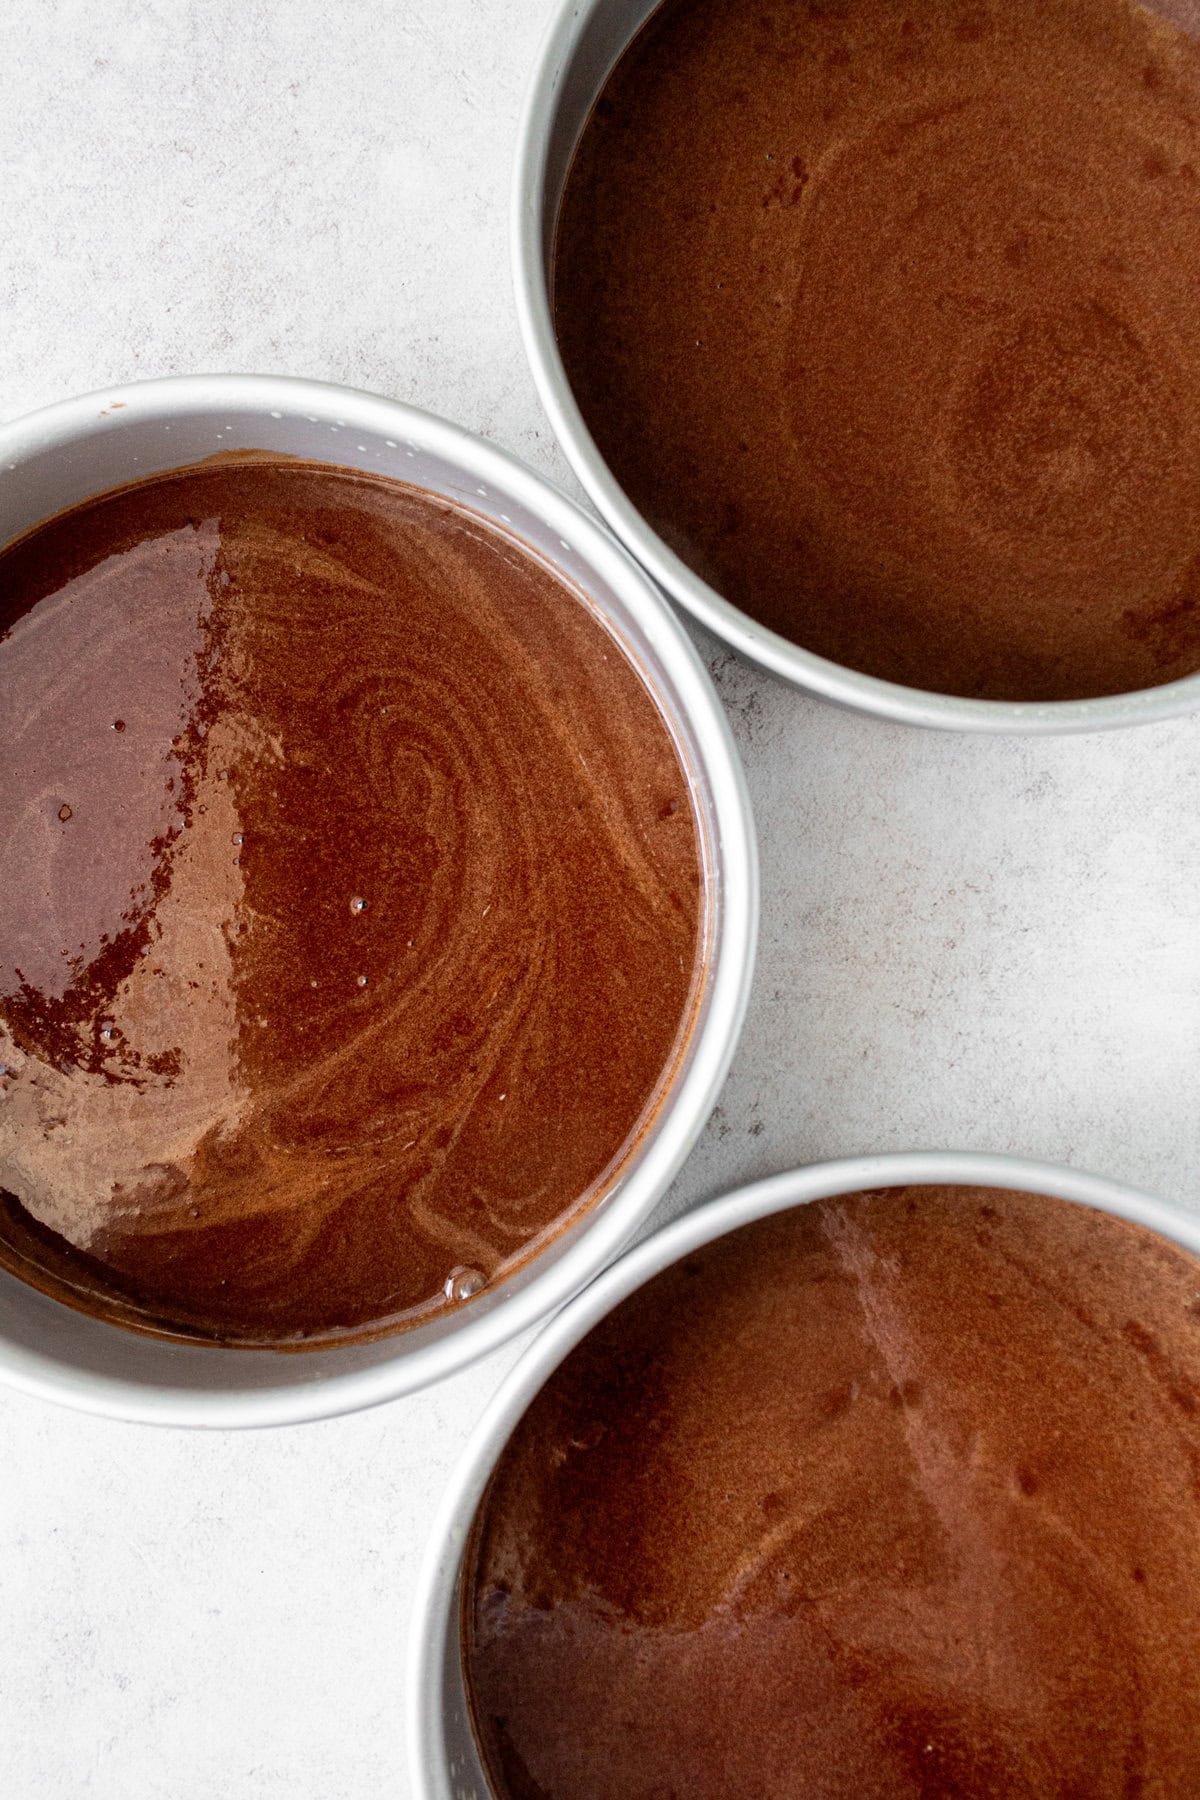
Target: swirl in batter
pixel 884 314
pixel 889 1497
pixel 350 905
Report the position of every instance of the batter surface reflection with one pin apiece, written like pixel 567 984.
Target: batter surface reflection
pixel 350 904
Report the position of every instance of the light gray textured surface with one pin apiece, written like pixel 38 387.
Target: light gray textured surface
pixel 992 945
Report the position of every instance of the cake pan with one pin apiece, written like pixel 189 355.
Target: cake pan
pixel 55 458
pixel 443 1761
pixel 585 40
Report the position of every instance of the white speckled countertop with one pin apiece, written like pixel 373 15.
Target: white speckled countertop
pixel 965 943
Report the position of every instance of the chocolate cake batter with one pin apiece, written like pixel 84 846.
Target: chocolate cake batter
pixel 884 314
pixel 349 904
pixel 888 1497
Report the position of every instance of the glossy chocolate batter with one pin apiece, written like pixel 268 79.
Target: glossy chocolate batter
pixel 888 1497
pixel 884 314
pixel 349 904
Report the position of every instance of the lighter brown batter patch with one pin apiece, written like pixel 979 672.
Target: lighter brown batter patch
pixel 890 1497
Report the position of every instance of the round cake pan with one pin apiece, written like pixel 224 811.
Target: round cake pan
pixel 443 1761
pixel 55 458
pixel 585 41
